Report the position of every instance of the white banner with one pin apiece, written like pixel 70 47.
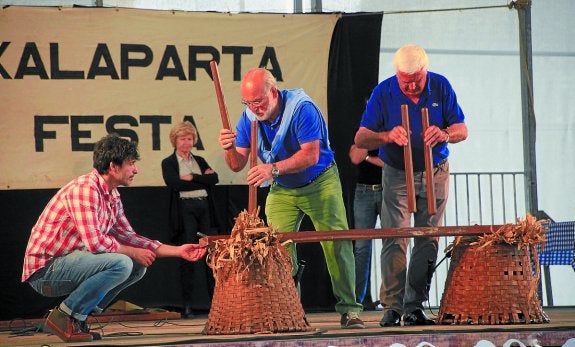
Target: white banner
pixel 68 76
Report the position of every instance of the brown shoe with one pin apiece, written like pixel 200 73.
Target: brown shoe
pixel 351 320
pixel 66 327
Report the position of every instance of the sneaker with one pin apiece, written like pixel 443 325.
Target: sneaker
pixel 351 320
pixel 66 327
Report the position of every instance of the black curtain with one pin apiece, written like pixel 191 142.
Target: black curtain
pixel 353 73
pixel 353 70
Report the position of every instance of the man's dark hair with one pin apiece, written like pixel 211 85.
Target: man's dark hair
pixel 113 149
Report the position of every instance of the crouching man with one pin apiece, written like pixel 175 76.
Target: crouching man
pixel 83 246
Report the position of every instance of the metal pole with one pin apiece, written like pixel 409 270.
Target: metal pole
pixel 529 127
pixel 297 6
pixel 528 113
pixel 316 6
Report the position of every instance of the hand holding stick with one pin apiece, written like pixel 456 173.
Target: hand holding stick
pixel 222 104
pixel 431 207
pixel 409 183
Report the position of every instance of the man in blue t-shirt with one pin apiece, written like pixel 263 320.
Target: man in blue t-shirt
pixel 294 149
pixel 404 289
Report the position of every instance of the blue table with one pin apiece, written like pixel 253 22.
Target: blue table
pixel 558 250
pixel 559 244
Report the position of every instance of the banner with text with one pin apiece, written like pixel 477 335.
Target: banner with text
pixel 69 76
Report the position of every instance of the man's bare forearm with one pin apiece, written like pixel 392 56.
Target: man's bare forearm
pixel 368 139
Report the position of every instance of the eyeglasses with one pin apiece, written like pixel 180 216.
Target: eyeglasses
pixel 257 102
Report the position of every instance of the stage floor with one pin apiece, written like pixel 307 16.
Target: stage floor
pixel 167 329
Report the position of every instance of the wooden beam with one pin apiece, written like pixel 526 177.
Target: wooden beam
pixel 409 183
pixel 253 190
pixel 429 181
pixel 366 234
pixel 222 104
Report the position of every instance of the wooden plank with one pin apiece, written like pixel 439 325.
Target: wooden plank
pixel 222 104
pixel 253 190
pixel 188 332
pixel 409 183
pixel 366 234
pixel 429 181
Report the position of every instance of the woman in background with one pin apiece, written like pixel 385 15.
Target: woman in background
pixel 190 180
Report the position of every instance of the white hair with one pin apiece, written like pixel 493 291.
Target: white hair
pixel 410 59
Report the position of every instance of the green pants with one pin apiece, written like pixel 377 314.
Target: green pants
pixel 322 201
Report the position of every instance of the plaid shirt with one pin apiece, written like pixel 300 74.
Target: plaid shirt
pixel 84 216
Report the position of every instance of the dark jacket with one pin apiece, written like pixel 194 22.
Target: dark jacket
pixel 171 175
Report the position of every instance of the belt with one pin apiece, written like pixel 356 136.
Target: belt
pixel 199 198
pixel 321 173
pixel 440 164
pixel 372 187
pixel 324 170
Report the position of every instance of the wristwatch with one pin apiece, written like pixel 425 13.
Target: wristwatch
pixel 446 133
pixel 275 171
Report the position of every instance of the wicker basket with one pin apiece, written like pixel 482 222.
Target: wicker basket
pixel 494 284
pixel 260 297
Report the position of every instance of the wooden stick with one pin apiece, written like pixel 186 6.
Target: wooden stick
pixel 222 104
pixel 368 234
pixel 431 207
pixel 409 183
pixel 253 190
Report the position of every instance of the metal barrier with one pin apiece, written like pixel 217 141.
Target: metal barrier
pixel 478 198
pixel 483 198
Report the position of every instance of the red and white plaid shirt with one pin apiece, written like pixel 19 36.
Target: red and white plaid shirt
pixel 83 215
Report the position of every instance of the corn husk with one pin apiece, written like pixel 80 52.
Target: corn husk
pixel 526 232
pixel 250 242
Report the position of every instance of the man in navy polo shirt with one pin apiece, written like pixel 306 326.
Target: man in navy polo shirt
pixel 404 288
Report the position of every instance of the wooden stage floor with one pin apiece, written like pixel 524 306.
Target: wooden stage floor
pixel 164 328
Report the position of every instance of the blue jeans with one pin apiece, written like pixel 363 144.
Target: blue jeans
pixel 91 281
pixel 404 288
pixel 366 208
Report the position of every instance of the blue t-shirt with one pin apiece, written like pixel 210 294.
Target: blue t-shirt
pixel 383 113
pixel 306 124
